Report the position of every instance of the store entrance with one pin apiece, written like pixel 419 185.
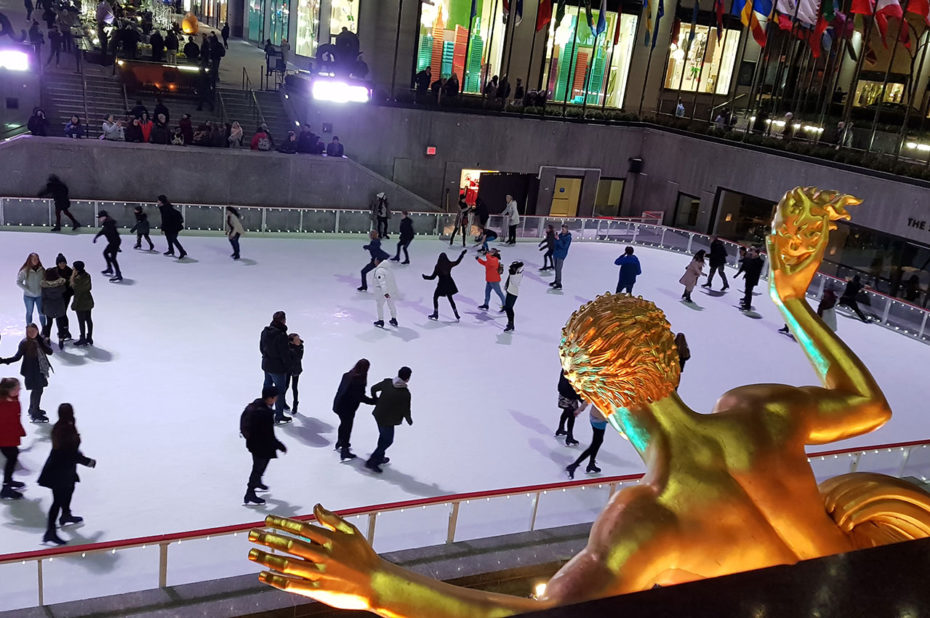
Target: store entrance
pixel 743 218
pixel 565 197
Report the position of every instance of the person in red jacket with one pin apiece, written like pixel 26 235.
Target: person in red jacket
pixel 11 430
pixel 492 276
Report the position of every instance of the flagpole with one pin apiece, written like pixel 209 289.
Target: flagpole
pixel 697 86
pixel 757 72
pixel 742 57
pixel 867 35
pixel 471 22
pixel 806 64
pixel 490 47
pixel 911 93
pixel 587 78
pixel 668 56
pixel 784 68
pixel 837 67
pixel 713 94
pixel 529 65
pixel 652 48
pixel 400 7
pixel 610 60
pixel 894 50
pixel 569 81
pixel 512 26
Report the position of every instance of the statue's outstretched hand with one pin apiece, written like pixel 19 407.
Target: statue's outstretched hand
pixel 333 564
pixel 799 235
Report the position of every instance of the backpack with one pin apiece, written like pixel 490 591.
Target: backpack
pixel 264 143
pixel 245 423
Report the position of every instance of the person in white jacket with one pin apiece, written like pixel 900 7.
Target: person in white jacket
pixel 512 286
pixel 512 215
pixel 29 279
pixel 387 291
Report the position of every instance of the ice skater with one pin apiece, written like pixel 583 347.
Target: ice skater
pixel 83 303
pixel 54 306
pixel 512 217
pixel 827 308
pixel 446 284
pixel 629 270
pixel 34 352
pixel 276 359
pixel 349 396
pixel 60 472
pixel 406 237
pixel 141 229
pixel 387 292
pixel 234 230
pixel 58 191
pixel 692 274
pixel 512 285
pixel 598 426
pixel 381 212
pixel 492 277
pixel 30 278
pixel 392 406
pixel 718 262
pixel 752 271
pixel 547 244
pixel 109 231
pixel 487 235
pixel 256 424
pixel 684 352
pixel 11 431
pixel 571 405
pixel 850 296
pixel 461 221
pixel 295 346
pixel 172 222
pixel 559 253
pixel 376 252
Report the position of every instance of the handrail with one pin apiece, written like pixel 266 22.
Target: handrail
pixel 159 539
pixel 223 114
pixel 258 107
pixel 125 98
pixel 84 97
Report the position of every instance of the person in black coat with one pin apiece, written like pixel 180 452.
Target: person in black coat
pixel 406 237
pixel 171 224
pixel 349 396
pixel 34 352
pixel 257 427
pixel 295 346
pixel 58 191
pixel 276 360
pixel 158 46
pixel 55 305
pixel 850 295
pixel 718 262
pixel 376 252
pixel 392 407
pixel 446 285
pixel 60 472
pixel 752 270
pixel 569 403
pixel 547 244
pixel 461 221
pixel 109 231
pixel 482 212
pixel 142 229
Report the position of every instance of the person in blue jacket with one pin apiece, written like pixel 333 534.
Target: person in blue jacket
pixel 559 253
pixel 629 270
pixel 377 253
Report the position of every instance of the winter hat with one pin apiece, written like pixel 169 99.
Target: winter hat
pixel 79 266
pixel 269 391
pixel 102 214
pixel 60 260
pixel 138 209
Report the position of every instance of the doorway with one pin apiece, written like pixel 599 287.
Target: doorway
pixel 609 194
pixel 565 196
pixel 687 209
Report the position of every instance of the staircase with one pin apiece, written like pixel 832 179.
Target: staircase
pixel 240 106
pixel 104 96
pixel 64 95
pixel 275 114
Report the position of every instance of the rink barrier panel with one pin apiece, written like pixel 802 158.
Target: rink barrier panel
pixel 899 459
pixel 894 314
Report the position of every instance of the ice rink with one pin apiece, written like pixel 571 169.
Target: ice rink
pixel 176 359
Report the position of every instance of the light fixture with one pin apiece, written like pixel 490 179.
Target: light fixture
pixel 339 92
pixel 14 60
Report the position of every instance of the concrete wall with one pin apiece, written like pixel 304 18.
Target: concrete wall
pixel 118 171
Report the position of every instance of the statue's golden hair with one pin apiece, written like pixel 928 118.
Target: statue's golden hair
pixel 619 352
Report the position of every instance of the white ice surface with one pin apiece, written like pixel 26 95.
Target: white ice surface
pixel 176 359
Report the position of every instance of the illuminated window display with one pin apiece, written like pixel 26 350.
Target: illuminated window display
pixel 308 27
pixel 576 58
pixel 718 59
pixel 257 20
pixel 344 13
pixel 868 92
pixel 280 17
pixel 443 39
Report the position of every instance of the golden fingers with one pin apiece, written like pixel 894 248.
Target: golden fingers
pixel 306 530
pixel 303 549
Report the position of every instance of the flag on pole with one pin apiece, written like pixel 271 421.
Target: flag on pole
pixel 647 12
pixel 883 10
pixel 617 28
pixel 601 19
pixel 660 12
pixel 754 14
pixel 519 18
pixel 559 12
pixel 543 14
pixel 719 9
pixel 676 31
pixel 808 11
pixel 920 7
pixel 474 11
pixel 694 16
pixel 589 15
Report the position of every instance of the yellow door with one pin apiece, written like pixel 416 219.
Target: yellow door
pixel 565 197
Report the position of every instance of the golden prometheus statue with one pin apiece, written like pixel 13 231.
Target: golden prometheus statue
pixel 724 492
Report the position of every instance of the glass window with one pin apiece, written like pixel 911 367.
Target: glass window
pixel 706 64
pixel 256 20
pixel 576 60
pixel 607 201
pixel 867 93
pixel 344 15
pixel 280 15
pixel 308 27
pixel 443 39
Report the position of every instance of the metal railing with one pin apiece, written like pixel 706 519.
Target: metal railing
pixel 23 212
pixel 55 575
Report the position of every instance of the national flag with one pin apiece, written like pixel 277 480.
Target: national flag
pixel 783 21
pixel 647 12
pixel 474 11
pixel 660 12
pixel 754 14
pixel 808 11
pixel 718 9
pixel 694 16
pixel 519 18
pixel 559 12
pixel 828 10
pixel 589 15
pixel 862 7
pixel 920 7
pixel 543 14
pixel 815 41
pixel 617 28
pixel 601 19
pixel 676 31
pixel 883 10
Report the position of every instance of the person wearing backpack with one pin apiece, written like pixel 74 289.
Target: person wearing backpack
pixel 262 139
pixel 256 424
pixel 492 276
pixel 171 224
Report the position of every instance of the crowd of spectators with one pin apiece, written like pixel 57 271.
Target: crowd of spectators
pixel 141 126
pixel 499 91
